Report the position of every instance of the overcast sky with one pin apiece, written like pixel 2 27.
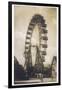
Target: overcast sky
pixel 22 17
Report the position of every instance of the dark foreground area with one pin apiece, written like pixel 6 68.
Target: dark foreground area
pixel 21 76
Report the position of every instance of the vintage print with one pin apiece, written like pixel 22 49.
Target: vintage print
pixel 34 45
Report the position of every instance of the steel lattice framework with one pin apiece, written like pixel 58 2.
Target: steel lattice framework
pixel 40 56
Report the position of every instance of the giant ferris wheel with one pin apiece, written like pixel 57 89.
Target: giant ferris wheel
pixel 41 48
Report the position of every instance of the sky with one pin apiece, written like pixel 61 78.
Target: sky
pixel 22 16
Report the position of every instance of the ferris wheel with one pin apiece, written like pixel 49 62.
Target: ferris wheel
pixel 41 48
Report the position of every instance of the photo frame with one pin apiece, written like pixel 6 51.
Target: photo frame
pixel 33 44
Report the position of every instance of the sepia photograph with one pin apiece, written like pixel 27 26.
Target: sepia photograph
pixel 35 58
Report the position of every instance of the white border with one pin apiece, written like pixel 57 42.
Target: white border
pixel 13 48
